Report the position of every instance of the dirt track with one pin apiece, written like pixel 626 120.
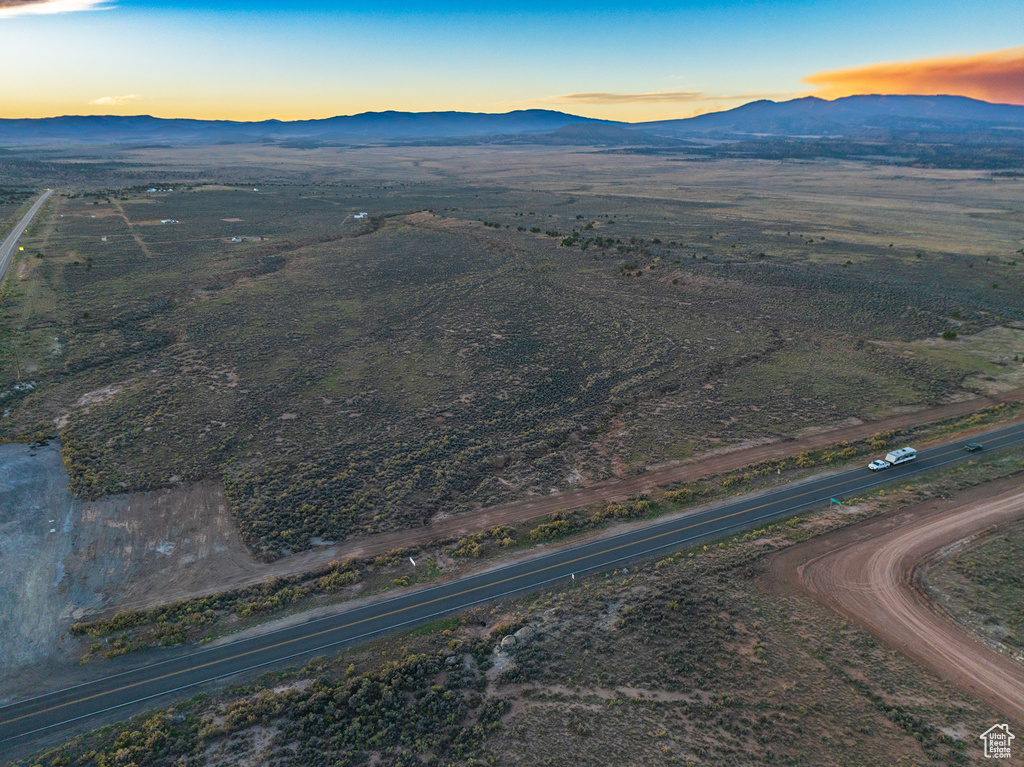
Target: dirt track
pixel 147 549
pixel 224 563
pixel 868 574
pixel 620 488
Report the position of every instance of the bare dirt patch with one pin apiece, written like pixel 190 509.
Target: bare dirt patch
pixel 558 691
pixel 36 517
pixel 63 558
pixel 442 527
pixel 137 550
pixel 87 400
pixel 869 574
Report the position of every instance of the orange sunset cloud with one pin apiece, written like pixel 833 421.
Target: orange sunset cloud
pixel 996 76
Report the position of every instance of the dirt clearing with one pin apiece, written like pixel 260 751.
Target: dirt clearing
pixel 36 520
pixel 869 574
pixel 63 558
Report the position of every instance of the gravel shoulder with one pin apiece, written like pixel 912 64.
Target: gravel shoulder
pixel 869 574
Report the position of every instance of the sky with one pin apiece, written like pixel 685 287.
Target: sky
pixel 258 59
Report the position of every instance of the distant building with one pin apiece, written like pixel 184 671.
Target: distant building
pixel 359 215
pixel 236 239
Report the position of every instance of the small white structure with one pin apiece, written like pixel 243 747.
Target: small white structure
pixel 359 215
pixel 236 239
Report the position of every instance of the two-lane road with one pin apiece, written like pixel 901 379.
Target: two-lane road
pixel 168 674
pixel 8 246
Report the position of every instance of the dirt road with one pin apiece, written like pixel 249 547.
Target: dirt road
pixel 868 574
pixel 620 488
pixel 147 549
pixel 226 564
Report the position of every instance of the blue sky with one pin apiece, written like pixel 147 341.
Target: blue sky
pixel 253 60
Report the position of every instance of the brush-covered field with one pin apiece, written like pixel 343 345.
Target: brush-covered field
pixel 501 323
pixel 981 585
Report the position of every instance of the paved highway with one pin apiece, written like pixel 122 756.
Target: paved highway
pixel 73 707
pixel 7 249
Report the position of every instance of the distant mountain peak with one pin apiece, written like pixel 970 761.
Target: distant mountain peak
pixel 850 115
pixel 878 116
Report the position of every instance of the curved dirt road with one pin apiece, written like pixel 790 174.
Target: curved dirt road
pixel 868 574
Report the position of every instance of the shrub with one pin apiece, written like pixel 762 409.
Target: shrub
pixel 631 509
pixel 805 460
pixel 549 530
pixel 342 575
pixel 880 440
pixel 468 547
pixel 681 496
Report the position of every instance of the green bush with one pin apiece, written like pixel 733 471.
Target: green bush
pixel 549 530
pixel 680 497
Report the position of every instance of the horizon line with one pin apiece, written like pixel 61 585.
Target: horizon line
pixel 511 111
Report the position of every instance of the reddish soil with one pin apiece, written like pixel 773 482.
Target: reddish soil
pixel 622 487
pixel 147 549
pixel 869 574
pixel 234 570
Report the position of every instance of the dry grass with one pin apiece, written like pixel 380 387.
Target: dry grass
pixel 687 660
pixel 348 376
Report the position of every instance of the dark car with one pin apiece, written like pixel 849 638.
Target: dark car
pixel 973 447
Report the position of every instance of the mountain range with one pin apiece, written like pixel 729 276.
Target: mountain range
pixel 853 116
pixel 856 117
